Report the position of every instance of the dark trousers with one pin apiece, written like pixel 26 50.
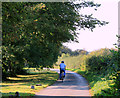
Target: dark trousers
pixel 62 70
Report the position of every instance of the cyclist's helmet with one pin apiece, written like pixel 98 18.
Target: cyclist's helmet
pixel 62 61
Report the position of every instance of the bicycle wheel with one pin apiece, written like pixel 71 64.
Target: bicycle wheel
pixel 62 76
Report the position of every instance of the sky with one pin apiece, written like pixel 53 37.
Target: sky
pixel 101 37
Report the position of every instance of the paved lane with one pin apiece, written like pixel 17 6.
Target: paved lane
pixel 74 85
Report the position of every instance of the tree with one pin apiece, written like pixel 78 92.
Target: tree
pixel 34 32
pixel 66 50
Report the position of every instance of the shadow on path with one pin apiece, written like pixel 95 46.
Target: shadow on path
pixel 74 86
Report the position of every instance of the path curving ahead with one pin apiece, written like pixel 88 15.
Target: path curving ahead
pixel 74 85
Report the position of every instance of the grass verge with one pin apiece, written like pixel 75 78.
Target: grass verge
pixel 23 83
pixel 99 85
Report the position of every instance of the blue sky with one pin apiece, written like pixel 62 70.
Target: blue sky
pixel 101 37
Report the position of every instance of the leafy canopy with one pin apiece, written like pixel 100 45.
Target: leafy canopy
pixel 33 32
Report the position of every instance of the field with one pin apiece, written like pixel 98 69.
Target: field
pixel 73 62
pixel 23 83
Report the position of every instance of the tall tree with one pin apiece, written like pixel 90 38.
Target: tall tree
pixel 34 32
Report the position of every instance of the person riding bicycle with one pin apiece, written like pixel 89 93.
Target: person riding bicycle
pixel 62 68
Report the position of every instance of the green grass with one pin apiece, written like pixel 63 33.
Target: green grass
pixel 99 85
pixel 22 83
pixel 73 62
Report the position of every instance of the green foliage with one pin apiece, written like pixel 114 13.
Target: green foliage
pixel 97 64
pixel 99 85
pixel 105 63
pixel 115 69
pixel 101 69
pixel 66 50
pixel 73 62
pixel 33 32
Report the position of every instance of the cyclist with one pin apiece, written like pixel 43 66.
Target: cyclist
pixel 62 68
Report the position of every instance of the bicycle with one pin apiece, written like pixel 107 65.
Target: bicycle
pixel 62 76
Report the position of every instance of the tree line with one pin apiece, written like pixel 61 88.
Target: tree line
pixel 68 51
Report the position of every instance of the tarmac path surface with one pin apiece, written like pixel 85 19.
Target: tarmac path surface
pixel 73 86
